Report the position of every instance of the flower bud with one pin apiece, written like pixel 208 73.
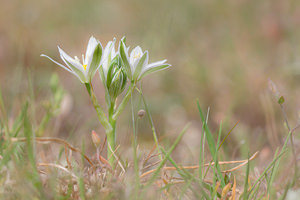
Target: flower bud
pixel 141 113
pixel 96 139
pixel 116 78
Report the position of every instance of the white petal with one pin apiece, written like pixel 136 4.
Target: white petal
pixel 66 68
pixel 90 52
pixel 107 49
pixel 152 65
pixel 135 54
pixel 140 65
pixel 133 65
pixel 66 58
pixel 113 51
pixel 108 55
pixel 105 66
pixel 90 47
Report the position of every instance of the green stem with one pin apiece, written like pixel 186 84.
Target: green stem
pixel 111 136
pixel 136 165
pixel 100 113
pixel 151 123
pixel 124 101
pixel 109 125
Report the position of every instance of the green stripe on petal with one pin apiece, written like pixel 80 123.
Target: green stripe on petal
pixel 124 56
pixel 77 72
pixel 102 76
pixel 154 69
pixel 64 56
pixel 142 62
pixel 96 61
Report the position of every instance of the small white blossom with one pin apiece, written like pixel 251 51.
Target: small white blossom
pixel 136 64
pixel 91 62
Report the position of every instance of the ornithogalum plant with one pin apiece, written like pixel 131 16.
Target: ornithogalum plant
pixel 115 68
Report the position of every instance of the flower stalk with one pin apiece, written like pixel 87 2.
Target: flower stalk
pixel 100 113
pixel 109 125
pixel 124 102
pixel 111 136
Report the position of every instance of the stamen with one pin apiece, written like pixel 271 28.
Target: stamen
pixel 84 66
pixel 76 58
pixel 83 61
pixel 138 55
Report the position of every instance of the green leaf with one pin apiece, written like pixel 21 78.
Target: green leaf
pixel 31 153
pixel 187 176
pixel 245 194
pixel 227 178
pixel 167 155
pixel 274 161
pixel 19 121
pixel 211 145
pixel 54 83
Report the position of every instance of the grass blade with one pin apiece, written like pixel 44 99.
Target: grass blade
pixel 245 194
pixel 155 174
pixel 30 147
pixel 211 145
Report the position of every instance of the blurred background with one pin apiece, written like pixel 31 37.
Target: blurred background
pixel 221 52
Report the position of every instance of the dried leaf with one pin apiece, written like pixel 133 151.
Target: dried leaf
pixel 225 191
pixel 233 189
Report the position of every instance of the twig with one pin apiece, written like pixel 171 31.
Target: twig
pixel 241 165
pixel 58 167
pixel 116 157
pixel 292 141
pixel 57 140
pixel 149 155
pixel 67 158
pixel 105 139
pixel 206 165
pixel 285 117
pixel 296 127
pixel 151 165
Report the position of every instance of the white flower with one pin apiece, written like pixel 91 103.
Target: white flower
pixel 91 62
pixel 137 65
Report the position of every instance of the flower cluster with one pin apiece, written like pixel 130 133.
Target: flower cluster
pixel 115 67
